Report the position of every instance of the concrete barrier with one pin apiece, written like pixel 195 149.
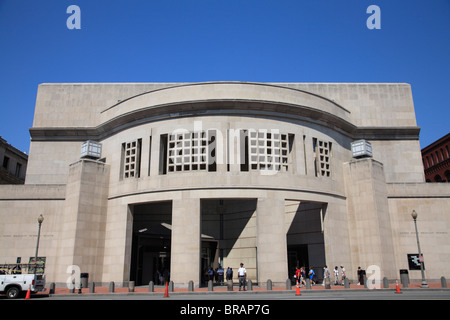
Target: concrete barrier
pixel 92 287
pixel 151 286
pixel 269 284
pixel 443 282
pixel 111 286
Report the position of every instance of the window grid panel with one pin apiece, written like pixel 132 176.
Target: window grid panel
pixel 130 164
pixel 323 158
pixel 187 151
pixel 268 151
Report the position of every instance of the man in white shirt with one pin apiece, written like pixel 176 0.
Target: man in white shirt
pixel 336 275
pixel 343 274
pixel 242 273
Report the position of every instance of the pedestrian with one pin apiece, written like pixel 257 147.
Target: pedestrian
pixel 297 275
pixel 336 275
pixel 242 274
pixel 343 274
pixel 302 276
pixel 210 274
pixel 160 278
pixel 311 275
pixel 220 275
pixel 361 273
pixel 326 275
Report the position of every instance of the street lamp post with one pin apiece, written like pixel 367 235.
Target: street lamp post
pixel 40 220
pixel 424 282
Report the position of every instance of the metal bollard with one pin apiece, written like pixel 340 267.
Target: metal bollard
pixel 51 290
pixel 131 286
pixel 249 285
pixel 171 286
pixel 230 285
pixel 308 283
pixel 346 283
pixel 385 283
pixel 288 284
pixel 112 286
pixel 151 286
pixel 269 284
pixel 91 287
pixel 443 282
pixel 210 285
pixel 191 286
pixel 327 283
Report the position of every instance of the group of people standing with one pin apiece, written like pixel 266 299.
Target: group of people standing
pixel 217 275
pixel 338 279
pixel 339 276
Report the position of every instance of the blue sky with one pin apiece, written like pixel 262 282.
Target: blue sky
pixel 218 40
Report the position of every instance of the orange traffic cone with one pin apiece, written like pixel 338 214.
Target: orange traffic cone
pixel 297 293
pixel 166 293
pixel 397 287
pixel 28 296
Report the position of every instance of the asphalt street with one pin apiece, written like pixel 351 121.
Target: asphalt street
pixel 416 294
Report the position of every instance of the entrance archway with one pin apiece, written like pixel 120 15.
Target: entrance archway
pixel 304 238
pixel 228 228
pixel 150 251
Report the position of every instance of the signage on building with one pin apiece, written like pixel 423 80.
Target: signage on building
pixel 414 261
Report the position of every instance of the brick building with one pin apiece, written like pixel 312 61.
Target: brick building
pixel 436 160
pixel 13 164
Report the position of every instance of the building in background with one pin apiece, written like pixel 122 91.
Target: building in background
pixel 136 179
pixel 13 164
pixel 436 160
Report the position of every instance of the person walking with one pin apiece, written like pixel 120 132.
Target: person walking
pixel 297 276
pixel 302 276
pixel 242 274
pixel 311 275
pixel 326 275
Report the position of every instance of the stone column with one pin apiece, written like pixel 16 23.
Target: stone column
pixel 371 240
pixel 84 216
pixel 271 241
pixel 186 242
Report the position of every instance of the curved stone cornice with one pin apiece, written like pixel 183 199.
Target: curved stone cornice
pixel 217 98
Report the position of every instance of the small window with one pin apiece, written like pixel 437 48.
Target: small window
pixel 131 159
pixel 5 162
pixel 322 154
pixel 18 170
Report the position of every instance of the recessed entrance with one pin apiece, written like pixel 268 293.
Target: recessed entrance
pixel 304 238
pixel 228 228
pixel 150 253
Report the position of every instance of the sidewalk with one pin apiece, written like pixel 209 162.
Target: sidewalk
pixel 161 289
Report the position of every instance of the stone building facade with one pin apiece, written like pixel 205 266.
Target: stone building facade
pixel 194 175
